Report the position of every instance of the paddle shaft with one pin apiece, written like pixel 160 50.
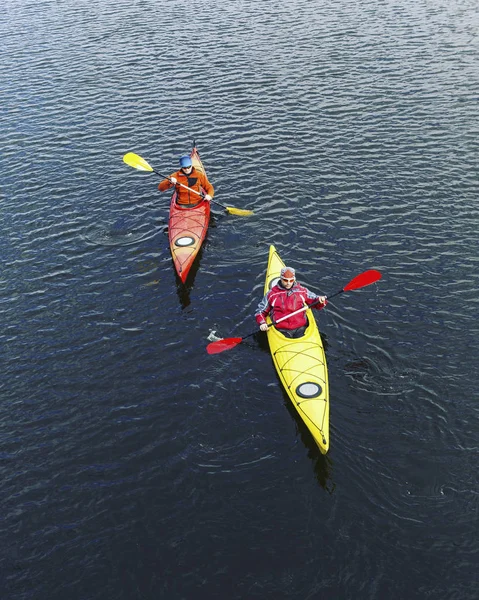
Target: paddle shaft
pixel 296 312
pixel 137 162
pixel 361 280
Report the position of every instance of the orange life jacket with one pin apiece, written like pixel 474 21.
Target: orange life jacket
pixel 196 180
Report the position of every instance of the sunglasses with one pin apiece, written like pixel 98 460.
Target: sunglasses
pixel 188 167
pixel 288 279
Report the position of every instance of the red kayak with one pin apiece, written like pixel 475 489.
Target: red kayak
pixel 187 227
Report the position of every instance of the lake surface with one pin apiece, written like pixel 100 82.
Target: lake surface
pixel 135 466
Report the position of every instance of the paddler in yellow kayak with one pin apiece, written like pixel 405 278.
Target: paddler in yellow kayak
pixel 284 298
pixel 191 178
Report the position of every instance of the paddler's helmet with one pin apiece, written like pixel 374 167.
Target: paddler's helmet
pixel 288 273
pixel 185 161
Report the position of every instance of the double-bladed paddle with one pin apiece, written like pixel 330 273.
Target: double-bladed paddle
pixel 360 281
pixel 137 162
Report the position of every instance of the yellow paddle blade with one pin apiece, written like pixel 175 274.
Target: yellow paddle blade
pixel 135 161
pixel 239 211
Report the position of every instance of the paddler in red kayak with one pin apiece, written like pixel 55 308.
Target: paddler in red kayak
pixel 285 297
pixel 189 176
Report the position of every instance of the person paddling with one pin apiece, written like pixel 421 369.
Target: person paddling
pixel 284 298
pixel 189 177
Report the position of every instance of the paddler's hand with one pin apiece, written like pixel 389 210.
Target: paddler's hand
pixel 321 302
pixel 207 197
pixel 264 326
pixel 173 180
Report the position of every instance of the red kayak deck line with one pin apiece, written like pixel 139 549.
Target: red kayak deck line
pixel 187 228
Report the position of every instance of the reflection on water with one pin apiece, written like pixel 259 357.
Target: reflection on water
pixel 323 466
pixel 261 339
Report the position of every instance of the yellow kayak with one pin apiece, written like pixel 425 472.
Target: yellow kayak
pixel 301 366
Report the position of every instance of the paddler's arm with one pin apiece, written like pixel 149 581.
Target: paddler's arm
pixel 167 183
pixel 262 312
pixel 208 189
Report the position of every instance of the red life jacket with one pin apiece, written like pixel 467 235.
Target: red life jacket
pixel 280 302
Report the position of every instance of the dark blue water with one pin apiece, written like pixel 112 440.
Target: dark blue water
pixel 133 464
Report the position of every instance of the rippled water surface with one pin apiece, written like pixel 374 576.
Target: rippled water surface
pixel 133 464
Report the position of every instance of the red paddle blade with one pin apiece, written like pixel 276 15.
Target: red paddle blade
pixel 362 280
pixel 222 345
